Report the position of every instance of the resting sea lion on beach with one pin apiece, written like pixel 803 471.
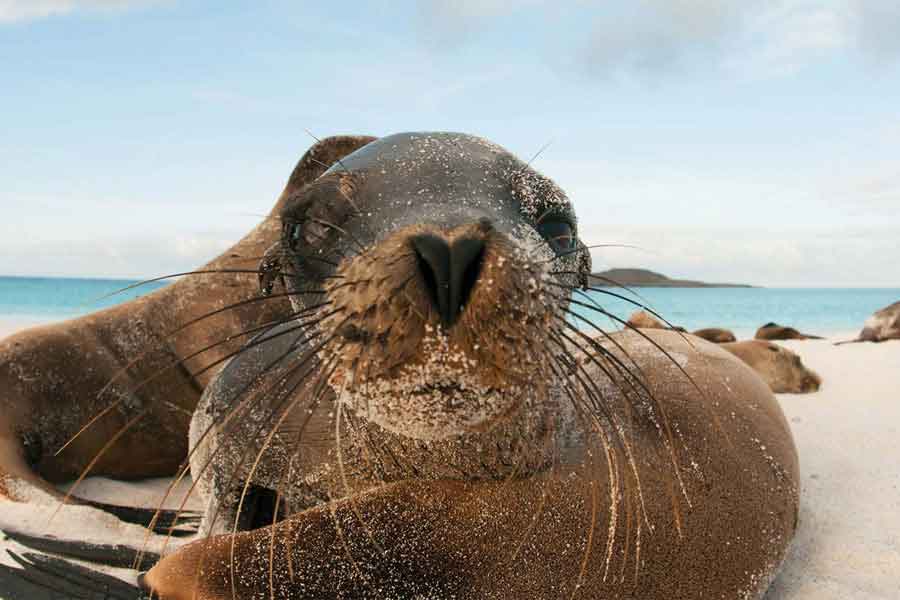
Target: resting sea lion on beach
pixel 780 368
pixel 715 335
pixel 122 366
pixel 574 528
pixel 882 326
pixel 774 331
pixel 432 425
pixel 642 319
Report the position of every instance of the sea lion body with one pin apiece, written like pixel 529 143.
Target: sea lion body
pixel 774 331
pixel 715 335
pixel 548 536
pixel 883 325
pixel 444 432
pixel 122 363
pixel 779 367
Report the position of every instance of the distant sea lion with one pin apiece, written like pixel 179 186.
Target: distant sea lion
pixel 51 377
pixel 774 331
pixel 644 320
pixel 780 368
pixel 715 335
pixel 882 326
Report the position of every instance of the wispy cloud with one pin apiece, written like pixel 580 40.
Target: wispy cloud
pixel 12 11
pixel 650 39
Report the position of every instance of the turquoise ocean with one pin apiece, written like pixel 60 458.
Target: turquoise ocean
pixel 26 300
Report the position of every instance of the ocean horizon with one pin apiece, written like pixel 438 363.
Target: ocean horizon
pixel 823 311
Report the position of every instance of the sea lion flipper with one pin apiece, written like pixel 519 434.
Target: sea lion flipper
pixel 118 555
pixel 179 523
pixel 42 577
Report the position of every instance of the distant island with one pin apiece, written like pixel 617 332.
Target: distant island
pixel 647 278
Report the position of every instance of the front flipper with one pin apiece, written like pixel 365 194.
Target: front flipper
pixel 181 523
pixel 41 577
pixel 438 539
pixel 113 555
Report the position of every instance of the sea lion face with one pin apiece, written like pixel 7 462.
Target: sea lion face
pixel 780 368
pixel 790 371
pixel 444 264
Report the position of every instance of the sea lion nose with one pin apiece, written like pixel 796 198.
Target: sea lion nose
pixel 450 271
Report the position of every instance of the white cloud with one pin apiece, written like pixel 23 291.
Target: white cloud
pixel 740 38
pixel 878 27
pixel 747 38
pixel 25 10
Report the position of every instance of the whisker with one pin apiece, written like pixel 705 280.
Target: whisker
pixel 172 276
pixel 243 406
pixel 249 477
pixel 591 247
pixel 240 463
pixel 173 365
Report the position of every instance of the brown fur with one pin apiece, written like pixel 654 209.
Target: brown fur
pixel 773 331
pixel 50 376
pixel 644 320
pixel 715 335
pixel 882 326
pixel 546 536
pixel 780 368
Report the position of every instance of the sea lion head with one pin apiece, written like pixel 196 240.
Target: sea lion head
pixel 781 368
pixel 441 265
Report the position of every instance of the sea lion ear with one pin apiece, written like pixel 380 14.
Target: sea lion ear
pixel 270 270
pixel 584 265
pixel 317 160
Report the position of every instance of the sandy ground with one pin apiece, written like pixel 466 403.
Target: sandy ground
pixel 848 544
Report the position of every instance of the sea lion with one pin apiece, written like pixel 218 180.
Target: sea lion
pixel 774 331
pixel 122 363
pixel 883 325
pixel 715 335
pixel 644 320
pixel 443 431
pixel 780 368
pixel 576 530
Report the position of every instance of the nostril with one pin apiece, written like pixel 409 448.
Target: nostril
pixel 433 254
pixel 449 272
pixel 466 257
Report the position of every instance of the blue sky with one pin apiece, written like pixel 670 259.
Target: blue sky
pixel 731 140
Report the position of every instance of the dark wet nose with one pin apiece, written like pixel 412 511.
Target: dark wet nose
pixel 450 271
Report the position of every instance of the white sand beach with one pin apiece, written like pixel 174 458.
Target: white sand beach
pixel 848 544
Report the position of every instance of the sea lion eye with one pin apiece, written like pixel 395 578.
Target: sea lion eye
pixel 558 234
